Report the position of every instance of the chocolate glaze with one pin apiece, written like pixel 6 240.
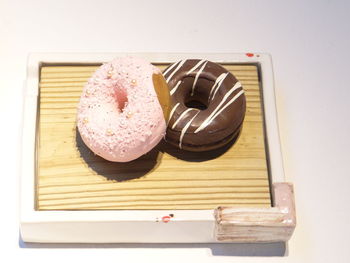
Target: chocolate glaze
pixel 221 117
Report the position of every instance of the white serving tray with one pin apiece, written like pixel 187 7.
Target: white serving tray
pixel 224 224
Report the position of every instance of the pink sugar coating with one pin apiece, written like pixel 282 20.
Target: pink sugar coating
pixel 119 115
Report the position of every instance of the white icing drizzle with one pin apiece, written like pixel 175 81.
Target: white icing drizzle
pixel 177 68
pixel 227 104
pixel 219 84
pixel 172 112
pixel 209 118
pixel 197 76
pixel 175 88
pixel 181 116
pixel 218 79
pixel 183 131
pixel 170 68
pixel 196 66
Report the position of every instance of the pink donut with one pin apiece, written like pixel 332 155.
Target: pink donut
pixel 123 109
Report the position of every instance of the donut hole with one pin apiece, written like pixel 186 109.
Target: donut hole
pixel 200 97
pixel 196 104
pixel 121 98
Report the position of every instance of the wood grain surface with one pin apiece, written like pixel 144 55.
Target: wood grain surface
pixel 71 177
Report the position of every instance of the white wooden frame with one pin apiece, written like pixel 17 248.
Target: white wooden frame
pixel 206 226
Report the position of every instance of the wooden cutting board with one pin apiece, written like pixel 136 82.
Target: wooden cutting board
pixel 71 177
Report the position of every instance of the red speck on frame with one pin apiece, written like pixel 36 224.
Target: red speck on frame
pixel 166 219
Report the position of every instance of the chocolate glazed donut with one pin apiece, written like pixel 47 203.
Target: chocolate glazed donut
pixel 208 105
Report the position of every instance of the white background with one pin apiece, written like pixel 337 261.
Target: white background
pixel 309 42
